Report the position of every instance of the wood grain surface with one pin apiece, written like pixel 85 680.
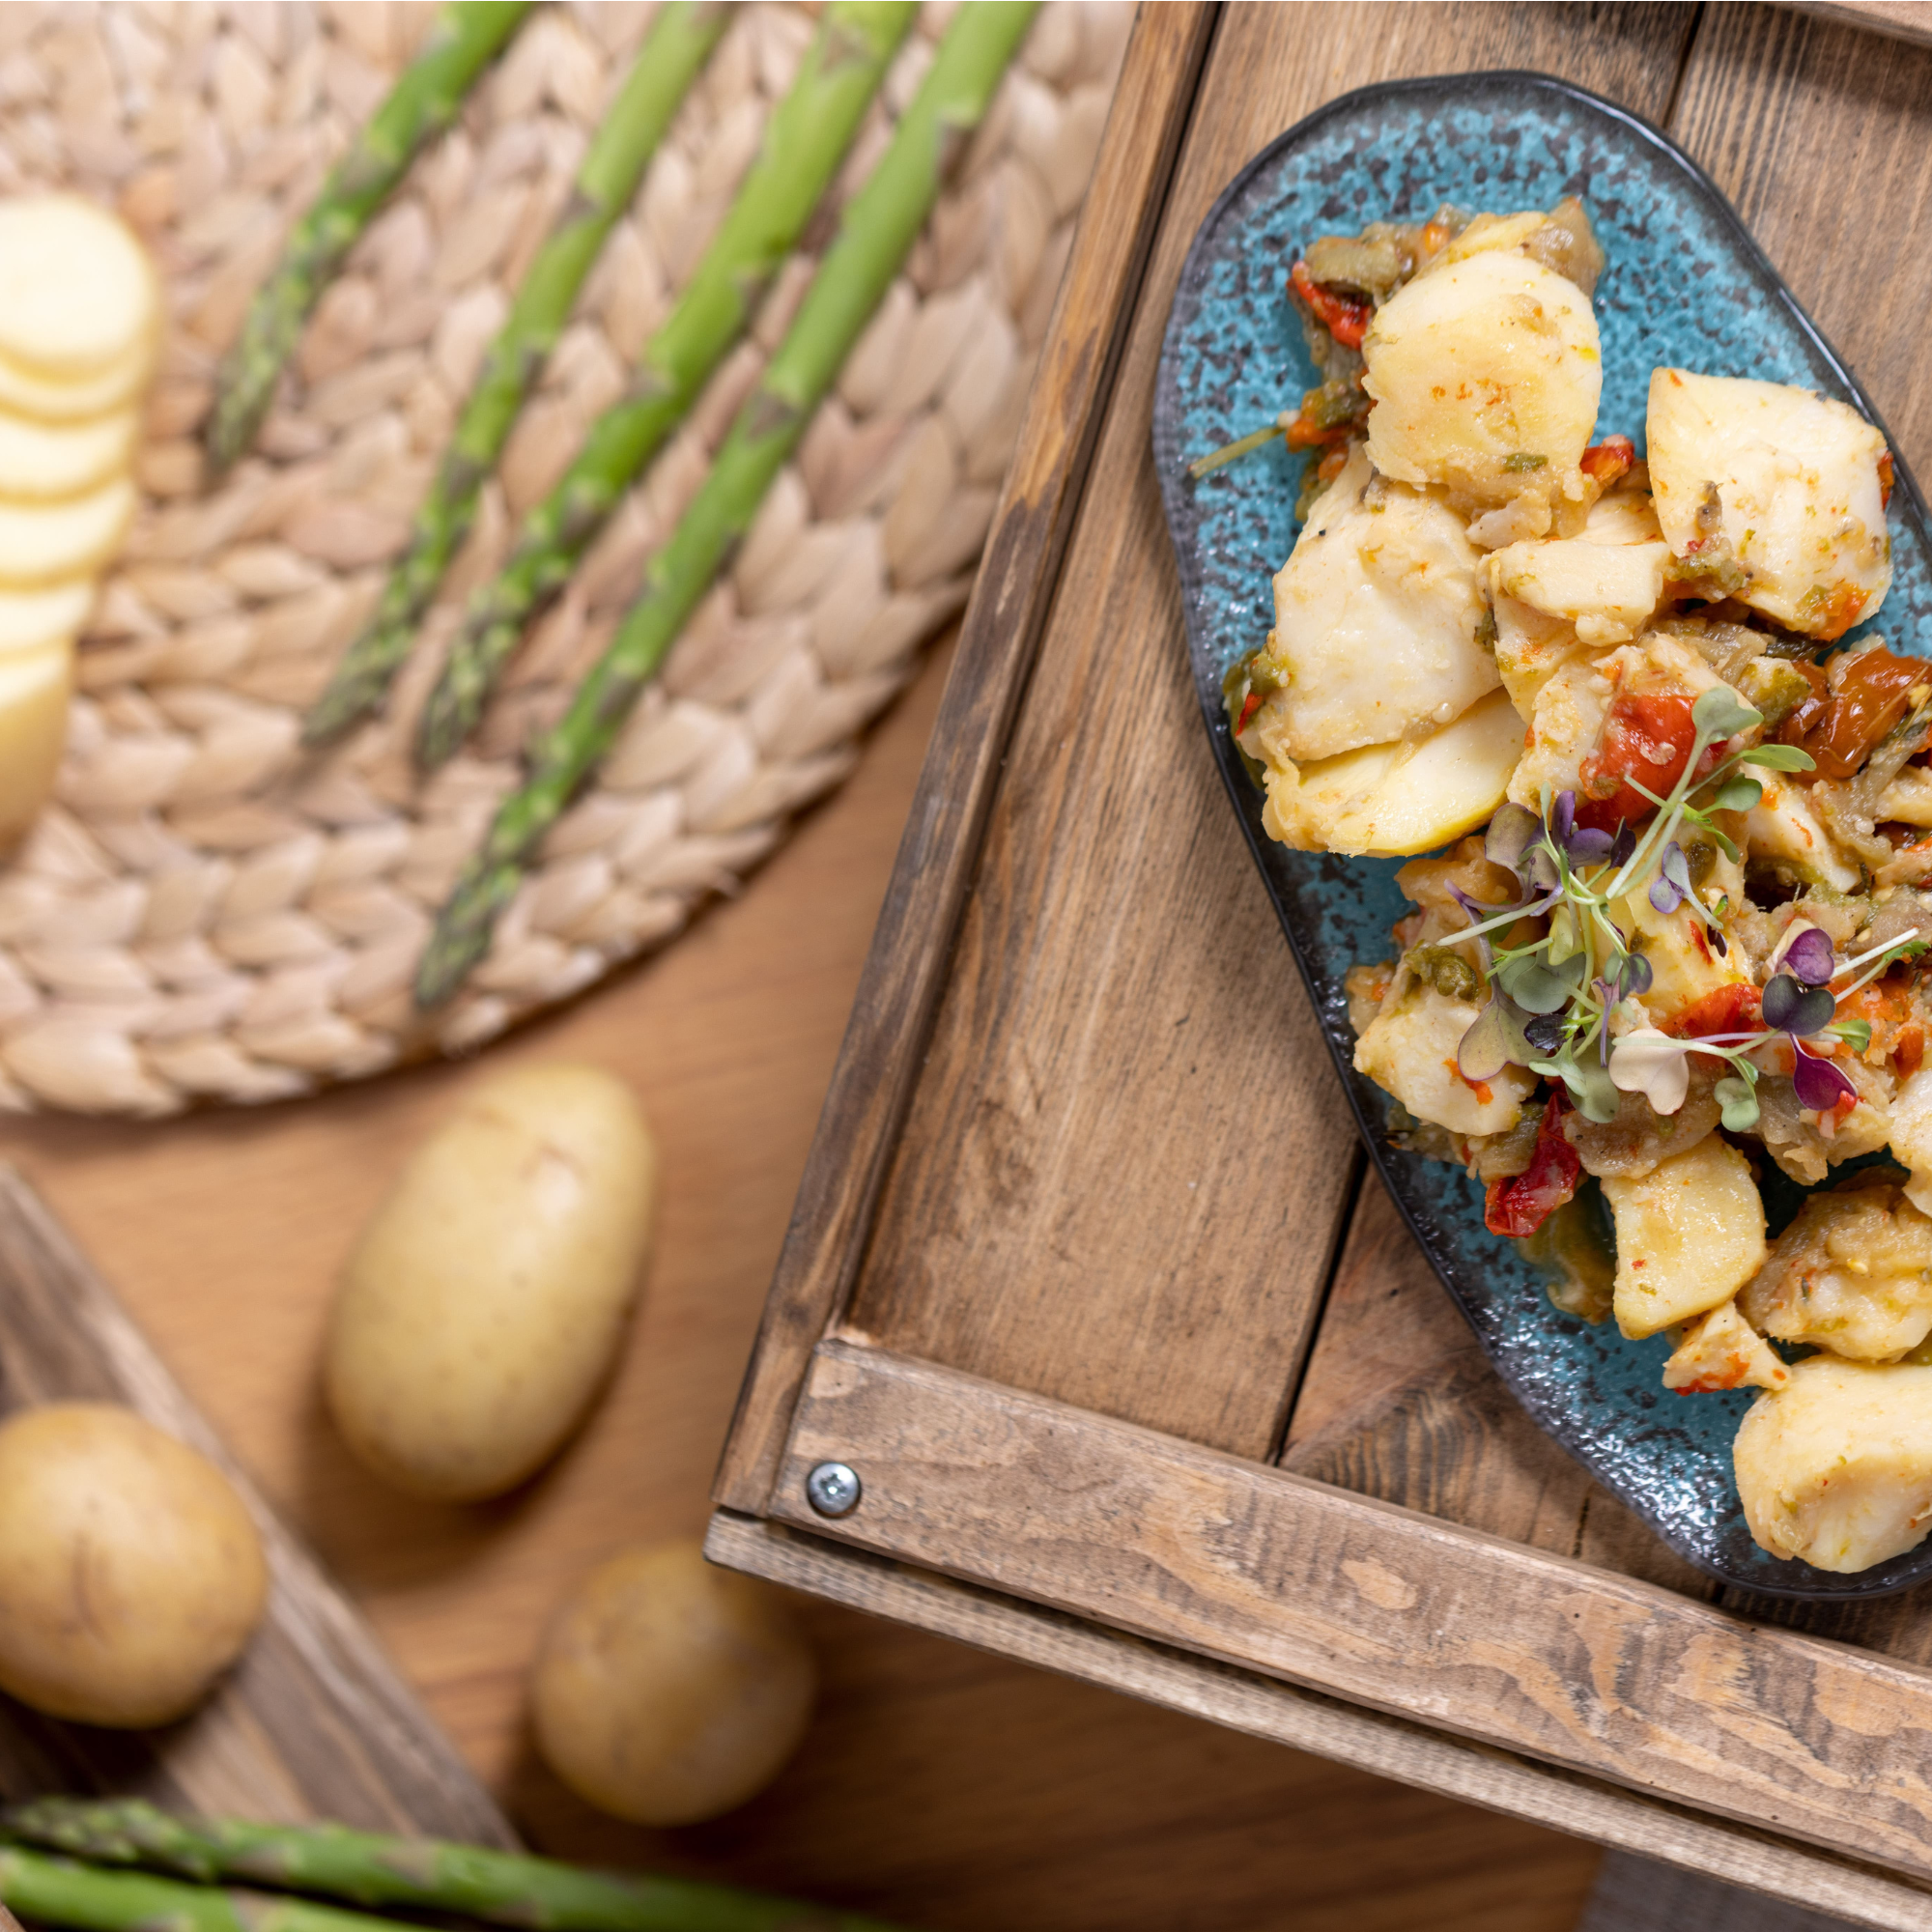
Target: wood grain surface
pixel 314 1722
pixel 1088 1197
pixel 1010 598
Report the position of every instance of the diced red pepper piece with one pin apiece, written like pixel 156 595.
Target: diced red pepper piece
pixel 1724 1010
pixel 1521 1204
pixel 1606 461
pixel 1840 727
pixel 1888 479
pixel 1345 317
pixel 1647 736
pixel 1249 706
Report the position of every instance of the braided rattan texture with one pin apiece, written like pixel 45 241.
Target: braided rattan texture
pixel 207 913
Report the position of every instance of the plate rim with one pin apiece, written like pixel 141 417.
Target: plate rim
pixel 1171 479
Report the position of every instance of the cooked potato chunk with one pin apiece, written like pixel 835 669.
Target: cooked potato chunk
pixel 1392 800
pixel 1774 490
pixel 1689 1234
pixel 1908 798
pixel 1484 376
pixel 34 690
pixel 1531 648
pixel 1783 831
pixel 1626 516
pixel 1568 717
pixel 1910 1123
pixel 1409 1049
pixel 76 292
pixel 1608 591
pixel 1722 1350
pixel 48 543
pixel 1836 1468
pixel 1851 1274
pixel 1376 617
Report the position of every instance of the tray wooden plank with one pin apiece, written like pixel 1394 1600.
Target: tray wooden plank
pixel 1120 1003
pixel 314 1721
pixel 1383 1607
pixel 1285 1714
pixel 1012 596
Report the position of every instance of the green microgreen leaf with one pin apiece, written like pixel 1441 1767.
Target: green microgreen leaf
pixel 1720 712
pixel 1857 1031
pixel 1778 757
pixel 1736 1095
pixel 1738 794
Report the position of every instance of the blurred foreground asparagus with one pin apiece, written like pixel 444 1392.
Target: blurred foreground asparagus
pixel 418 1873
pixel 467 37
pixel 881 223
pixel 679 42
pixel 808 137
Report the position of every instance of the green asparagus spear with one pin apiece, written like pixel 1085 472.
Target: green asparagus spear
pixel 880 226
pixel 467 37
pixel 55 1892
pixel 535 1894
pixel 678 44
pixel 805 141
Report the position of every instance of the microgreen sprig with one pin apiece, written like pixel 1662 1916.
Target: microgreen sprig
pixel 1551 998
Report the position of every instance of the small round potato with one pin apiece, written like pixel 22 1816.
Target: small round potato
pixel 668 1691
pixel 484 1304
pixel 130 1573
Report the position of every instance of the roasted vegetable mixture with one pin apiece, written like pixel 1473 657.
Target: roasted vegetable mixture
pixel 1673 929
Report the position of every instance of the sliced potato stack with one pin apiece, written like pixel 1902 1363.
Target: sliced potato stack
pixel 80 321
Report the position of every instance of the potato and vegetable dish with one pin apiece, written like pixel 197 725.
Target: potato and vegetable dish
pixel 1671 930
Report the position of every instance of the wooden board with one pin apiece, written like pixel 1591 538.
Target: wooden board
pixel 314 1721
pixel 1110 1242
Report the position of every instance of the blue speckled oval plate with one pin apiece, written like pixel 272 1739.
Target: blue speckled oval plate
pixel 1685 285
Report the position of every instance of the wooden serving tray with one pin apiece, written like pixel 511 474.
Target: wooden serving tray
pixel 315 1721
pixel 1139 1379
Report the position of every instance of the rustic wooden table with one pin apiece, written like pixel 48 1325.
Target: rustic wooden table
pixel 941 1785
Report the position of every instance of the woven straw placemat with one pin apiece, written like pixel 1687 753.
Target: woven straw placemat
pixel 208 913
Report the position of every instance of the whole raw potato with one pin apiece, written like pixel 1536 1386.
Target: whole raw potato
pixel 670 1690
pixel 484 1304
pixel 130 1573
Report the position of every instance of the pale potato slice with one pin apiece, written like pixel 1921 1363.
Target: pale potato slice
pixel 28 393
pixel 54 614
pixel 1911 1138
pixel 1375 619
pixel 1623 516
pixel 1608 591
pixel 1836 1468
pixel 76 291
pixel 1689 1234
pixel 1409 1049
pixel 41 462
pixel 1776 486
pixel 1446 785
pixel 1783 830
pixel 46 543
pixel 1908 798
pixel 34 690
pixel 1531 648
pixel 1304 802
pixel 1722 1350
pixel 1853 1273
pixel 1485 377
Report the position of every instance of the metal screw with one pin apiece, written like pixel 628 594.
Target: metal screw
pixel 834 1489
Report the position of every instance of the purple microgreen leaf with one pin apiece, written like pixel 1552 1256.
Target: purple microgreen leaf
pixel 1544 1032
pixel 1563 818
pixel 1626 845
pixel 1587 846
pixel 1509 837
pixel 1632 975
pixel 1810 957
pixel 1664 894
pixel 1794 1008
pixel 1820 1085
pixel 1676 868
pixel 1542 872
